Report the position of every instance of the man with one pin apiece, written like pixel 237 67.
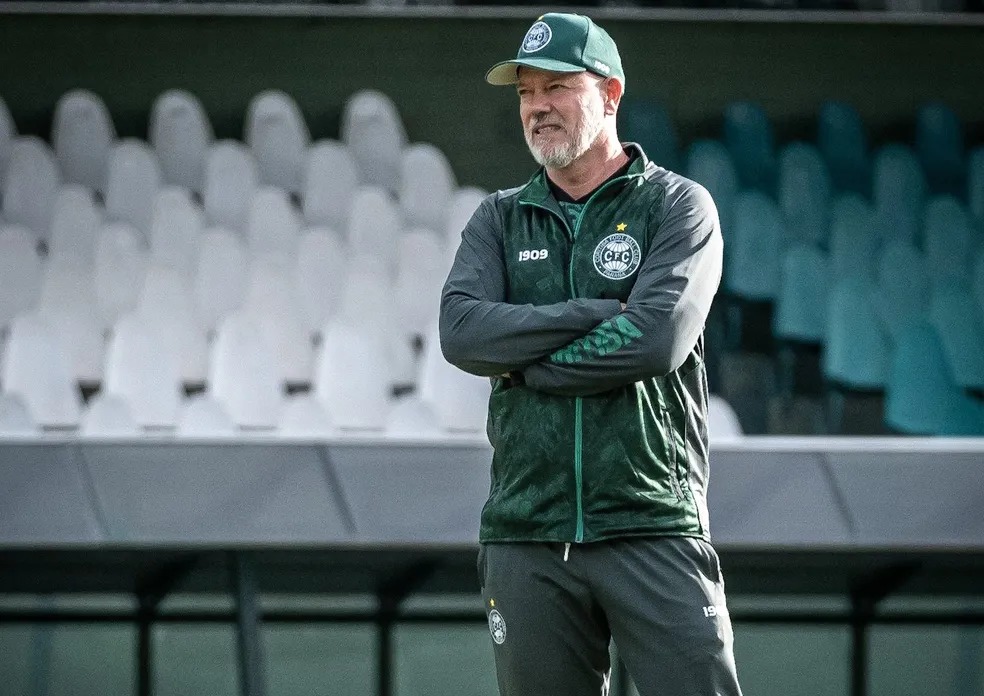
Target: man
pixel 583 295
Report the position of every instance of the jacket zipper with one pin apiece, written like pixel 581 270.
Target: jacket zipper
pixel 578 401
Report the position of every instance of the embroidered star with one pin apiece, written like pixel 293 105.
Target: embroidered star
pixel 621 227
pixel 491 602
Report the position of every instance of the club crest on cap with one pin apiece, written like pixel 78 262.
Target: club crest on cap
pixel 537 37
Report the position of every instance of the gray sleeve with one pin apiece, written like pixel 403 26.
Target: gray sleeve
pixel 483 334
pixel 663 317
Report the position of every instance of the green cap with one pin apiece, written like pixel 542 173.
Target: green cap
pixel 562 43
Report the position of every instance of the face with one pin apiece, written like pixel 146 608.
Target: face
pixel 562 114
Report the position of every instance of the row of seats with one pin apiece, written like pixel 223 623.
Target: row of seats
pixel 142 390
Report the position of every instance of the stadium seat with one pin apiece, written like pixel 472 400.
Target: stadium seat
pixel 176 229
pixel 243 375
pixel 8 131
pixel 853 238
pixel 37 369
pixel 801 306
pixel 31 185
pixel 144 372
pixel 330 180
pixel 903 287
pixel 975 187
pixel 460 400
pixel 709 164
pixel 372 130
pixel 107 416
pixel 181 135
pixel 352 377
pixel 856 347
pixel 15 418
pixel 921 396
pixel 68 305
pixel 753 268
pixel 422 269
pixel 201 416
pixel 319 275
pixel 82 134
pixel 134 179
pixel 804 193
pixel 20 271
pixel 959 322
pixel 898 192
pixel 121 264
pixel 948 240
pixel 464 202
pixel 646 121
pixel 166 304
pixel 221 275
pixel 75 224
pixel 279 138
pixel 304 416
pixel 751 143
pixel 940 147
pixel 230 179
pixel 413 417
pixel 367 299
pixel 843 143
pixel 271 302
pixel 273 226
pixel 722 421
pixel 373 227
pixel 426 185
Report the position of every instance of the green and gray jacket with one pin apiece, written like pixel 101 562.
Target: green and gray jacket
pixel 600 430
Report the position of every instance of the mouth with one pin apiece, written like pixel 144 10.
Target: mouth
pixel 545 128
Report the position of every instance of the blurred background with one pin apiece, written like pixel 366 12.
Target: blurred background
pixel 232 458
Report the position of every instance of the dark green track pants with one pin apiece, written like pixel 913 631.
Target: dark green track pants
pixel 660 599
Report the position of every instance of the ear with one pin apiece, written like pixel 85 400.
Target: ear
pixel 612 92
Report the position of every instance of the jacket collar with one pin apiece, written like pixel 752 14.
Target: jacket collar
pixel 537 190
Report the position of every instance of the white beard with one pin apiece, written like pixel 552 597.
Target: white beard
pixel 583 136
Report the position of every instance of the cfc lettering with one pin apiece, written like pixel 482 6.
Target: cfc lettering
pixel 532 254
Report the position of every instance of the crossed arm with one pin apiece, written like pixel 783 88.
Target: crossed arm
pixel 586 346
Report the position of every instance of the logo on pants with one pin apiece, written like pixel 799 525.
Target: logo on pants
pixel 497 627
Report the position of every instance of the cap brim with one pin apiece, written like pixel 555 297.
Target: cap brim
pixel 506 72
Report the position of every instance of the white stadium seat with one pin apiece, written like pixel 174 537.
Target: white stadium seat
pixel 181 134
pixel 271 302
pixel 279 138
pixel 20 272
pixel 166 303
pixel 201 416
pixel 304 416
pixel 30 185
pixel 8 131
pixel 243 374
pixel 36 368
pixel 352 378
pixel 372 130
pixel 426 185
pixel 106 415
pixel 460 399
pixel 230 179
pixel 82 133
pixel 133 181
pixel 464 203
pixel 413 417
pixel 143 371
pixel 75 225
pixel 176 230
pixel 68 306
pixel 320 275
pixel 221 275
pixel 722 421
pixel 121 264
pixel 374 225
pixel 330 179
pixel 273 225
pixel 15 417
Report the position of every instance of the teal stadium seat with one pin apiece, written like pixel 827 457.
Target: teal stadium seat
pixel 898 192
pixel 856 347
pixel 749 138
pixel 948 240
pixel 753 268
pixel 940 147
pixel 708 163
pixel 954 313
pixel 921 396
pixel 903 287
pixel 801 308
pixel 843 143
pixel 646 121
pixel 853 238
pixel 975 187
pixel 804 193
